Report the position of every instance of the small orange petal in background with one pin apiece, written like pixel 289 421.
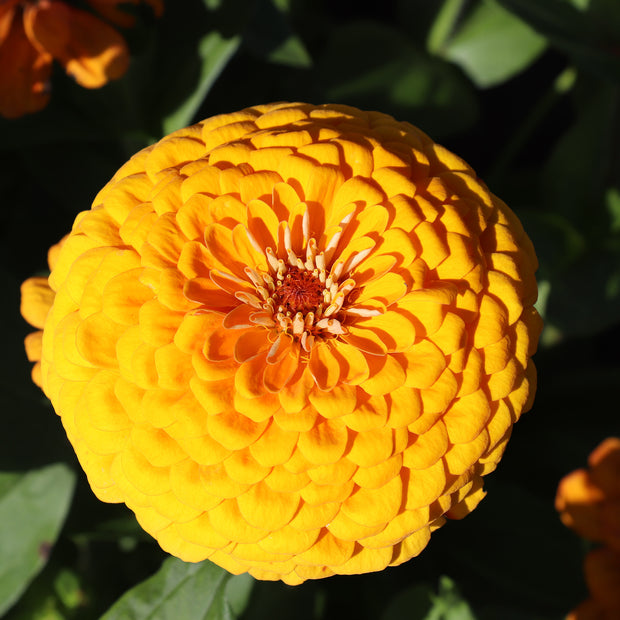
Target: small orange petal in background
pixel 25 70
pixel 602 569
pixel 92 52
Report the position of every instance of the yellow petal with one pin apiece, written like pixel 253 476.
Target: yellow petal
pixel 372 447
pixel 451 336
pixel 310 517
pixel 501 383
pixel 423 486
pixel 398 528
pixel 433 244
pixel 214 396
pixel 438 397
pixel 199 531
pixel 340 401
pixel 492 323
pixel 386 375
pixel 385 502
pixel 123 297
pixel 424 364
pixel 336 473
pixel 358 161
pixel 234 431
pixel 249 377
pixel 387 289
pixel 174 368
pixel 462 456
pixel 324 366
pixel 327 550
pixel 427 448
pixel 358 191
pixel 274 446
pixel 344 528
pixel 467 417
pixel 158 325
pixel 157 446
pixel 216 480
pixel 325 442
pixel 262 224
pixel 410 546
pixel 380 474
pixel 264 508
pixel 188 486
pixel 284 481
pixel 353 364
pixel 288 541
pixel 33 343
pixel 141 474
pixel 227 520
pixel 508 291
pixel 96 339
pixel 294 396
pixel 277 375
pixel 257 409
pixel 36 299
pixel 218 240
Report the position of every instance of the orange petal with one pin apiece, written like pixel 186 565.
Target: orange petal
pixel 325 442
pixel 324 366
pixel 385 502
pixel 24 79
pixel 386 374
pixel 262 507
pixel 36 299
pixel 92 52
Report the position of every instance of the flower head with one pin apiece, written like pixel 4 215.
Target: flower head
pixel 291 339
pixel 33 33
pixel 588 501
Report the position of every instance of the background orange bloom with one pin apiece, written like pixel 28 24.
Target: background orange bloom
pixel 589 503
pixel 34 34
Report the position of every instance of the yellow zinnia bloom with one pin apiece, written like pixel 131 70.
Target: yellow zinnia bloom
pixel 291 339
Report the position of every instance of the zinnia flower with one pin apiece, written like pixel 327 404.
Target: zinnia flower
pixel 292 339
pixel 588 501
pixel 35 32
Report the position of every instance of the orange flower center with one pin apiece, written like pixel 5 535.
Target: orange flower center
pixel 300 297
pixel 300 291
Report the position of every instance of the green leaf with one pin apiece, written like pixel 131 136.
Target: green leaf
pixel 581 166
pixel 413 602
pixel 269 35
pixel 493 45
pixel 214 52
pixel 420 601
pixel 591 37
pixel 448 604
pixel 372 66
pixel 185 591
pixel 443 25
pixel 33 507
pixel 612 202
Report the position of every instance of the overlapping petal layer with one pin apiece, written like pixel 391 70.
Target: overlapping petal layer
pixel 292 339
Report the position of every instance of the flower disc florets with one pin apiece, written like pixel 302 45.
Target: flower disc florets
pixel 292 339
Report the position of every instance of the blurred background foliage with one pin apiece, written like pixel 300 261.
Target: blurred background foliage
pixel 526 91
